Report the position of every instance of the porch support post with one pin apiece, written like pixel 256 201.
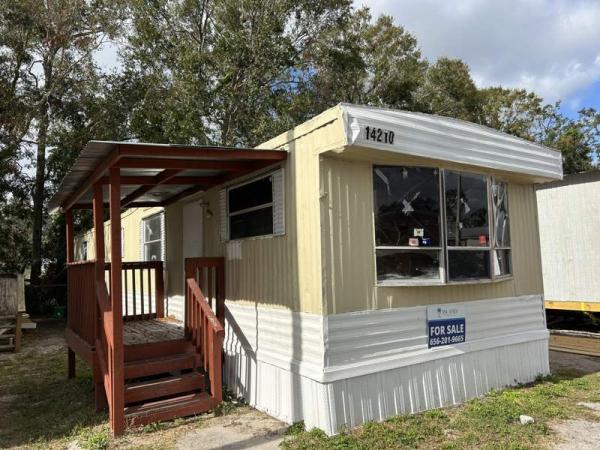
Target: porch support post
pixel 98 211
pixel 117 412
pixel 70 258
pixel 70 238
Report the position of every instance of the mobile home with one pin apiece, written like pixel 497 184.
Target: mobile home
pixel 569 224
pixel 367 263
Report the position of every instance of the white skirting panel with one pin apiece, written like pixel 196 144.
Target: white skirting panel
pixel 174 307
pixel 345 369
pixel 443 382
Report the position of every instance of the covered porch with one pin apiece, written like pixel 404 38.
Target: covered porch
pixel 145 366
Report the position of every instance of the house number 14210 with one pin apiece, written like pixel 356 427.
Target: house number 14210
pixel 379 135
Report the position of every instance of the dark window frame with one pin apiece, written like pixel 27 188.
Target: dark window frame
pixel 263 206
pixel 444 248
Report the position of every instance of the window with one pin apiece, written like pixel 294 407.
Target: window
pixel 407 223
pixel 254 208
pixel 467 226
pixel 434 225
pixel 501 259
pixel 152 239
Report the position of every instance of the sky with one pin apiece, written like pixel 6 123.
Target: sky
pixel 551 47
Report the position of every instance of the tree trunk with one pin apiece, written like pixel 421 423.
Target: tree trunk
pixel 38 195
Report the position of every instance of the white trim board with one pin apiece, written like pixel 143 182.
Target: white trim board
pixel 447 139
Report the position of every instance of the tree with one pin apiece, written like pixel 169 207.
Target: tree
pixel 513 111
pixel 224 72
pixel 449 90
pixel 50 53
pixel 577 139
pixel 367 62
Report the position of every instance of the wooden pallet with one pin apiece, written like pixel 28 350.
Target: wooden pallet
pixel 578 342
pixel 10 333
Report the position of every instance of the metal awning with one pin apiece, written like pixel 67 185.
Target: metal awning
pixel 155 174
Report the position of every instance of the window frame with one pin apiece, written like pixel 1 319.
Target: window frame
pixel 444 248
pixel 271 205
pixel 493 232
pixel 160 239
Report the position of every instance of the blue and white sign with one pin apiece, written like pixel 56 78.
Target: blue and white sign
pixel 445 325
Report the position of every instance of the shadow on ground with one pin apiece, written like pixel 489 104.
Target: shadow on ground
pixel 570 363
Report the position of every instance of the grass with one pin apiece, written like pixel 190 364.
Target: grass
pixel 490 422
pixel 42 409
pixel 40 405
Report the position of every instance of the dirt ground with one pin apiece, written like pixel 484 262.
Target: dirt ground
pixel 576 434
pixel 583 364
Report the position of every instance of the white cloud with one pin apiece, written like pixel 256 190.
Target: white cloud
pixel 548 46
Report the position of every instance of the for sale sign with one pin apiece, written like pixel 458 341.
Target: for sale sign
pixel 445 325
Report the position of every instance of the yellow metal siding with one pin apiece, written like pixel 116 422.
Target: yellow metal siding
pixel 132 241
pixel 347 230
pixel 280 271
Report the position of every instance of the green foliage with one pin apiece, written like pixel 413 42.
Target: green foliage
pixel 215 72
pixel 95 440
pixel 449 90
pixel 296 428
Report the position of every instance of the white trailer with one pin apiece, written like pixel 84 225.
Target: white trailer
pixel 569 223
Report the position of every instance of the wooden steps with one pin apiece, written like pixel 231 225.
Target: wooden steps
pixel 156 349
pixel 181 406
pixel 162 382
pixel 163 387
pixel 160 364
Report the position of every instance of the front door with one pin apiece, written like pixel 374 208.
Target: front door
pixel 192 230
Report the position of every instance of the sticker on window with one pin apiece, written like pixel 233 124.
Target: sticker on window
pixel 413 242
pixel 418 232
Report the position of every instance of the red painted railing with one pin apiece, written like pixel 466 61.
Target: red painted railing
pixel 81 300
pixel 142 289
pixel 206 334
pixel 209 274
pixel 104 339
pixel 204 315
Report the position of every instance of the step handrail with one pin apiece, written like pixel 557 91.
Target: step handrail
pixel 207 334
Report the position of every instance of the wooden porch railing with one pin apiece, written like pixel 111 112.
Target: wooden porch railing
pixel 81 300
pixel 206 334
pixel 209 274
pixel 105 345
pixel 142 289
pixel 204 316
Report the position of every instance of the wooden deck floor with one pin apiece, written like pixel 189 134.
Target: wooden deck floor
pixel 154 330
